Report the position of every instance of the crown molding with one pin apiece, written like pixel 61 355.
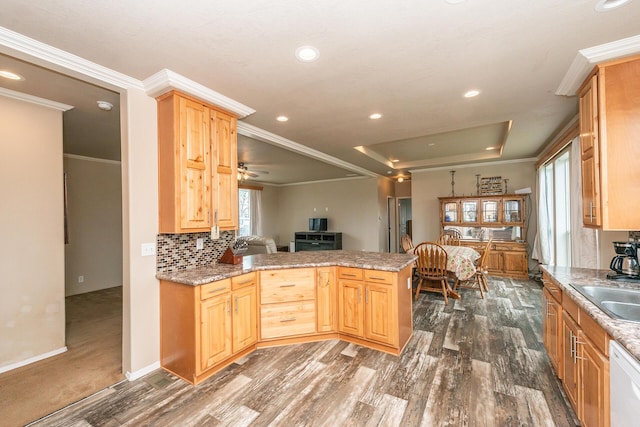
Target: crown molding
pixel 473 165
pixel 587 58
pixel 166 80
pixel 34 100
pixel 52 55
pixel 273 139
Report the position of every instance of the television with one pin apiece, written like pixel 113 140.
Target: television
pixel 317 224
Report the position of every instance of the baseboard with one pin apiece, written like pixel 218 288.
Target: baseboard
pixel 32 359
pixel 132 376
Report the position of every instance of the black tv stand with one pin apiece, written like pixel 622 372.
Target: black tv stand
pixel 318 240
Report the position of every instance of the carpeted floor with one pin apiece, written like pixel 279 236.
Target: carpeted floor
pixel 93 361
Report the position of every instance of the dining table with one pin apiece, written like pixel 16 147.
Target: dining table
pixel 461 261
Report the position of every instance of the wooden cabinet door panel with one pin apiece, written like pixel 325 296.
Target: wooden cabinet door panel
pixel 215 331
pixel 379 313
pixel 570 365
pixel 288 319
pixel 295 284
pixel 551 326
pixel 326 299
pixel 495 262
pixel 595 385
pixel 350 314
pixel 226 166
pixel 195 165
pixel 245 325
pixel 590 156
pixel 515 262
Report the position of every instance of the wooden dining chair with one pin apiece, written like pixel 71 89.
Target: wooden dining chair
pixel 449 239
pixel 432 266
pixel 479 279
pixel 407 244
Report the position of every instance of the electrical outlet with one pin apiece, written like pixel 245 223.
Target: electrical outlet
pixel 80 279
pixel 200 243
pixel 148 249
pixel 408 282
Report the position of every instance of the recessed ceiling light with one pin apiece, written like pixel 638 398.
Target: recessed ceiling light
pixel 11 76
pixel 431 144
pixel 375 116
pixel 490 148
pixel 282 118
pixel 605 5
pixel 471 93
pixel 307 53
pixel 394 160
pixel 401 179
pixel 389 172
pixel 104 105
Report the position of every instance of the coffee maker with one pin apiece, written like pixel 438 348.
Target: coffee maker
pixel 625 263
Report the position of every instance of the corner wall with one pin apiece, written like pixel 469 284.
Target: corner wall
pixel 32 317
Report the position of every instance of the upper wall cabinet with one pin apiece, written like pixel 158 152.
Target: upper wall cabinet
pixel 197 162
pixel 485 211
pixel 609 129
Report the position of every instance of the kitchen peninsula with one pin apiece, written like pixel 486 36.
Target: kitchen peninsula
pixel 211 316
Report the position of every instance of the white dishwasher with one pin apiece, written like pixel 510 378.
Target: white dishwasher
pixel 625 387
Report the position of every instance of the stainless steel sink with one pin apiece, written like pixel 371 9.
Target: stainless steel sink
pixel 618 303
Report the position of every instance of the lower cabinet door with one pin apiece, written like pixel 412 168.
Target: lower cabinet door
pixel 245 328
pixel 215 330
pixel 569 360
pixel 378 313
pixel 350 307
pixel 326 299
pixel 595 385
pixel 515 263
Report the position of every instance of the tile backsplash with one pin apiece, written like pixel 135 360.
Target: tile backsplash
pixel 178 251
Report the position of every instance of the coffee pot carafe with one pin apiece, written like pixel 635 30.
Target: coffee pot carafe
pixel 626 260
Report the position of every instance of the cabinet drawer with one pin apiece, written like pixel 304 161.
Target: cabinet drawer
pixel 572 308
pixel 554 290
pixel 287 285
pixel 378 276
pixel 350 273
pixel 286 319
pixel 214 288
pixel 243 281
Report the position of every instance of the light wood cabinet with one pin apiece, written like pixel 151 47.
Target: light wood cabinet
pixel 552 325
pixel 197 164
pixel 609 125
pixel 583 355
pixel 484 211
pixel 365 305
pixel 204 328
pixel 326 299
pixel 507 259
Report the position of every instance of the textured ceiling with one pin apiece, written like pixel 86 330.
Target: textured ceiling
pixel 409 60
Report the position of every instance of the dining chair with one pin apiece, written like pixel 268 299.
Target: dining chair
pixel 449 239
pixel 407 244
pixel 432 266
pixel 479 279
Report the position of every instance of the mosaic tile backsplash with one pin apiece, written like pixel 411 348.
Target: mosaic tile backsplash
pixel 178 251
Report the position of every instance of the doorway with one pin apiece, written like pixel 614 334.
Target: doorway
pixel 404 219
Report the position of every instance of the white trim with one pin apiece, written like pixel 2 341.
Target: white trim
pixel 166 80
pixel 59 57
pixel 34 100
pixel 273 139
pixel 473 165
pixel 323 181
pixel 587 58
pixel 132 376
pixel 32 359
pixel 92 159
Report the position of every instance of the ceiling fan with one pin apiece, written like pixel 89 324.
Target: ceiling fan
pixel 245 173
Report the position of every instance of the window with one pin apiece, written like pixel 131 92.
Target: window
pixel 249 212
pixel 555 202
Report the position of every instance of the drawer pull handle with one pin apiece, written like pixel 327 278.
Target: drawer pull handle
pixel 291 319
pixel 349 274
pixel 245 282
pixel 291 285
pixel 218 290
pixel 376 278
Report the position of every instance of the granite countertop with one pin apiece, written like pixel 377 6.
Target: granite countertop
pixel 624 332
pixel 279 260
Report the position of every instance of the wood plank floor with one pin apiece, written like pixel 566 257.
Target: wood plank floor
pixel 475 362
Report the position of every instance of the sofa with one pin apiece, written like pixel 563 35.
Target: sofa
pixel 259 245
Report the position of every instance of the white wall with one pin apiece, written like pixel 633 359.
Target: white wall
pixel 94 200
pixel 427 186
pixel 271 213
pixel 32 319
pixel 351 206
